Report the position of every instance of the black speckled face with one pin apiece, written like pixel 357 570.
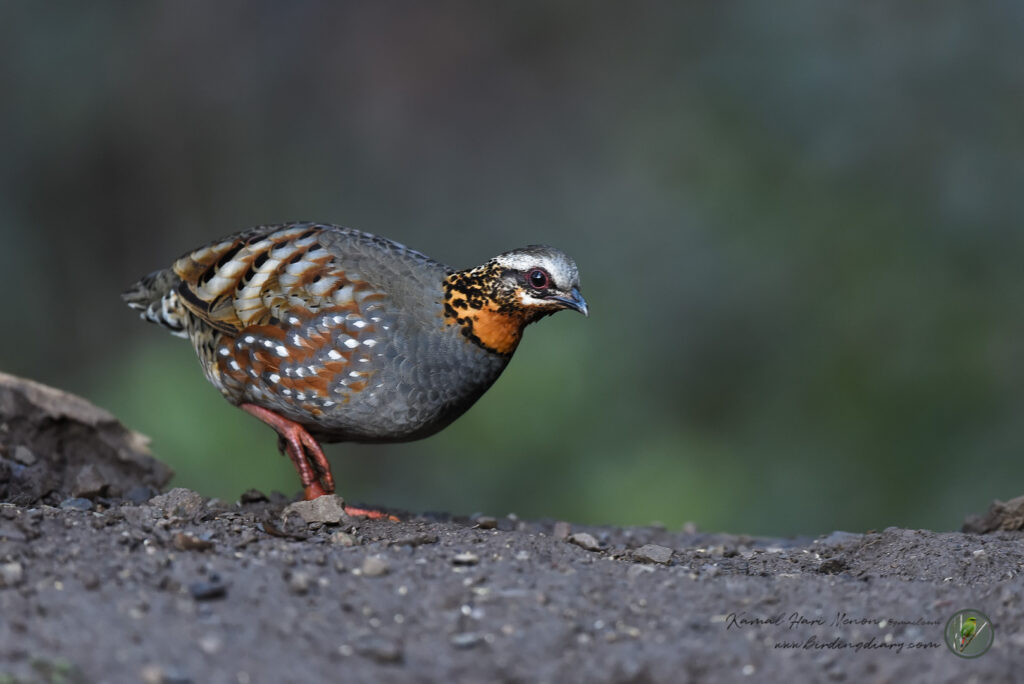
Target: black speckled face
pixel 494 302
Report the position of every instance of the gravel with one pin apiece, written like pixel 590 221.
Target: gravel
pixel 430 599
pixel 177 588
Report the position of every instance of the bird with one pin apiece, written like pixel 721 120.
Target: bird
pixel 967 631
pixel 331 334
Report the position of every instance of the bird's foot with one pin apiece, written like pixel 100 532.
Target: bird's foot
pixel 302 449
pixel 370 513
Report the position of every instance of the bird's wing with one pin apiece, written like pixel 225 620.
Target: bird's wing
pixel 268 274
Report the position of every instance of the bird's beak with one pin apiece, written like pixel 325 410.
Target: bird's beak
pixel 574 301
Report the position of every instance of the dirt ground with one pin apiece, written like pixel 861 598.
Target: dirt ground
pixel 116 585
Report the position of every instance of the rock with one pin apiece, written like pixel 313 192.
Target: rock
pixel 59 446
pixel 76 504
pixel 299 582
pixel 151 674
pixel 652 553
pixel 208 590
pixel 89 483
pixel 211 644
pixel 486 522
pixel 584 540
pixel 11 574
pixel 140 494
pixel 465 558
pixel 386 652
pixel 417 539
pixel 179 503
pixel 23 455
pixel 90 580
pixel 186 541
pixel 561 530
pixel 140 516
pixel 375 566
pixel 466 639
pixel 252 496
pixel 328 509
pixel 832 566
pixel 343 539
pixel 1001 516
pixel 290 526
pixel 154 674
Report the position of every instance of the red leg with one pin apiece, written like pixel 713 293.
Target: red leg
pixel 302 448
pixel 304 451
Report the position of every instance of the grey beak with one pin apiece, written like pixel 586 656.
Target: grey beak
pixel 575 301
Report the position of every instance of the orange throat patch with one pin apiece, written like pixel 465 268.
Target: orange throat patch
pixel 491 329
pixel 487 315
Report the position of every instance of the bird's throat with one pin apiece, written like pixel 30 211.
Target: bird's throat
pixel 487 316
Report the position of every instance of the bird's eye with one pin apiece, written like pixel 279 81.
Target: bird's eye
pixel 539 280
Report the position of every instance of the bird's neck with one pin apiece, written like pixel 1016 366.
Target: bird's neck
pixel 485 308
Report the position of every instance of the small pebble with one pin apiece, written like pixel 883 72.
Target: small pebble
pixel 23 455
pixel 139 494
pixel 185 541
pixel 342 539
pixel 562 530
pixel 252 496
pixel 486 522
pixel 154 674
pixel 211 644
pixel 375 566
pixel 299 582
pixel 208 590
pixel 466 639
pixel 329 509
pixel 415 539
pixel 466 558
pixel 584 540
pixel 179 503
pixel 76 503
pixel 11 574
pixel 88 482
pixel 385 652
pixel 653 553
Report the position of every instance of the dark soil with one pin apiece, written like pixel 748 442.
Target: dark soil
pixel 181 589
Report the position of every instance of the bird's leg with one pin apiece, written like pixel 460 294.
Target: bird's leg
pixel 306 454
pixel 304 451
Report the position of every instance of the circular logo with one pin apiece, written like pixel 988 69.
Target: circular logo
pixel 969 633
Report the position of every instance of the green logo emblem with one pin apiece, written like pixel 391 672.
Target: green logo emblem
pixel 969 633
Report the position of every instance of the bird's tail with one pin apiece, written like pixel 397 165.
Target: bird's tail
pixel 156 299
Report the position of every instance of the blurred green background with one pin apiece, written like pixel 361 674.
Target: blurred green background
pixel 798 228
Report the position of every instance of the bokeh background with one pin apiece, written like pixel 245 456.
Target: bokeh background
pixel 798 227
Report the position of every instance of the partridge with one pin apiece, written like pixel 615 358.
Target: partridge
pixel 331 334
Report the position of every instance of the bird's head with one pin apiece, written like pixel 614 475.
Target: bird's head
pixel 495 301
pixel 541 280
